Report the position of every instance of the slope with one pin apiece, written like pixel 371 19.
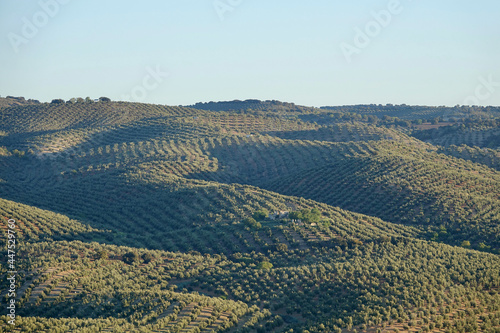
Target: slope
pixel 48 117
pixel 392 283
pixel 480 133
pixel 143 224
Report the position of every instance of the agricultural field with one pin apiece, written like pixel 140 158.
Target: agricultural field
pixel 250 216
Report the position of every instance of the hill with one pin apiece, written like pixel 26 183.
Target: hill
pixel 411 112
pixel 429 190
pixel 13 101
pixel 479 133
pixel 244 217
pixel 61 115
pixel 252 105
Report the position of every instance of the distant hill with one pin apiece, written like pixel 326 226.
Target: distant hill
pixel 65 115
pixel 486 156
pixel 13 101
pixel 412 112
pixel 252 105
pixel 480 133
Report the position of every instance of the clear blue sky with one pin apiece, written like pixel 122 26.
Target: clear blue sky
pixel 431 52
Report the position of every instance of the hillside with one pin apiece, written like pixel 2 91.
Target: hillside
pixel 479 133
pixel 47 117
pixel 419 190
pixel 410 112
pixel 148 218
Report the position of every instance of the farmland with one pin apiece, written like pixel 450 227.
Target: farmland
pixel 149 218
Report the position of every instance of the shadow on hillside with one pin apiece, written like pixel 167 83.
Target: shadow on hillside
pixel 340 134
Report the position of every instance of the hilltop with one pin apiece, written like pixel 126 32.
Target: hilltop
pixel 252 105
pixel 13 101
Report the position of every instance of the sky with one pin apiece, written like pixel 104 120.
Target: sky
pixel 313 53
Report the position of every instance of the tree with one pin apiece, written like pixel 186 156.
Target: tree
pixel 349 323
pixel 147 257
pixel 484 247
pixel 281 247
pixel 314 215
pixel 306 215
pixel 101 254
pixel 131 258
pixel 104 99
pixel 57 101
pixel 261 214
pixel 295 215
pixel 265 265
pixel 251 222
pixel 19 153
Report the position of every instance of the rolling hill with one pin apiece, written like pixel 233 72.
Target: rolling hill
pixel 246 216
